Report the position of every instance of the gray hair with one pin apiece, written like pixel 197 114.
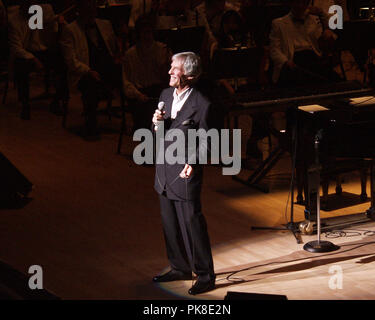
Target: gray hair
pixel 191 63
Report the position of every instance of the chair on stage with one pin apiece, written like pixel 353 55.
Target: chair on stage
pixel 109 110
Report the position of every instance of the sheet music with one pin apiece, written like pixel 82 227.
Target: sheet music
pixel 312 108
pixel 362 101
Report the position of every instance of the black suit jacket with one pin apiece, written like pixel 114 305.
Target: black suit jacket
pixel 193 115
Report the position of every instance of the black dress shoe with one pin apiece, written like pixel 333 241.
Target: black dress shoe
pixel 201 286
pixel 172 275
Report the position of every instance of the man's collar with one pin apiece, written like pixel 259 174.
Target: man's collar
pixel 181 95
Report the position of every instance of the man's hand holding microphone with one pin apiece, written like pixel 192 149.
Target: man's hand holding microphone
pixel 158 115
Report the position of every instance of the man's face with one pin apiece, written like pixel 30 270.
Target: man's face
pixel 177 75
pixel 299 7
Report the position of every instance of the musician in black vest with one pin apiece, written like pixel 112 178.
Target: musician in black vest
pixel 179 185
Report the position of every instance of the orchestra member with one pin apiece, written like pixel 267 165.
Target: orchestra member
pixel 89 48
pixel 296 42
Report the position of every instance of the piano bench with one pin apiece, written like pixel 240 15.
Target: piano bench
pixel 334 170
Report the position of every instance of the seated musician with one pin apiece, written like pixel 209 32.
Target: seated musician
pixel 146 65
pixel 296 43
pixel 230 35
pixel 210 13
pixel 35 51
pixel 233 34
pixel 141 8
pixel 175 14
pixel 326 4
pixel 89 48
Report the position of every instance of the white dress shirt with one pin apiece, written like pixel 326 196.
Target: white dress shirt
pixel 300 37
pixel 22 40
pixel 179 101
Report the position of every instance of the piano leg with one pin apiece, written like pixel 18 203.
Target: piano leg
pixel 300 177
pixel 370 213
pixel 363 174
pixel 338 185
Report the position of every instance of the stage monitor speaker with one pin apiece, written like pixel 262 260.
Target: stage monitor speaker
pixel 11 179
pixel 253 296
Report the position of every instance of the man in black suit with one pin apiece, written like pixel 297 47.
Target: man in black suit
pixel 179 184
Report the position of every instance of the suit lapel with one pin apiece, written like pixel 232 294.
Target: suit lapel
pixel 168 104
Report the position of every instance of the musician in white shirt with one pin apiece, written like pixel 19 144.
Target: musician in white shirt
pixel 89 47
pixel 176 14
pixel 145 71
pixel 34 50
pixel 295 45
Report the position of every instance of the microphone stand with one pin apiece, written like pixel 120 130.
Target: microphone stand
pixel 318 245
pixel 291 226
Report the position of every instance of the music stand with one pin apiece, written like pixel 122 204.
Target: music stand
pixel 234 63
pixel 192 38
pixel 115 13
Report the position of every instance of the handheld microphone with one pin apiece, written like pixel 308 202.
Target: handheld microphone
pixel 161 106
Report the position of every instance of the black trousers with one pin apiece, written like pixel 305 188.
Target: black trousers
pixel 186 237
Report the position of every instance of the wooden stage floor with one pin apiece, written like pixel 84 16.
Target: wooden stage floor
pixel 93 222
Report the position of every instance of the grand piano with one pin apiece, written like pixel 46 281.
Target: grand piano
pixel 343 127
pixel 340 115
